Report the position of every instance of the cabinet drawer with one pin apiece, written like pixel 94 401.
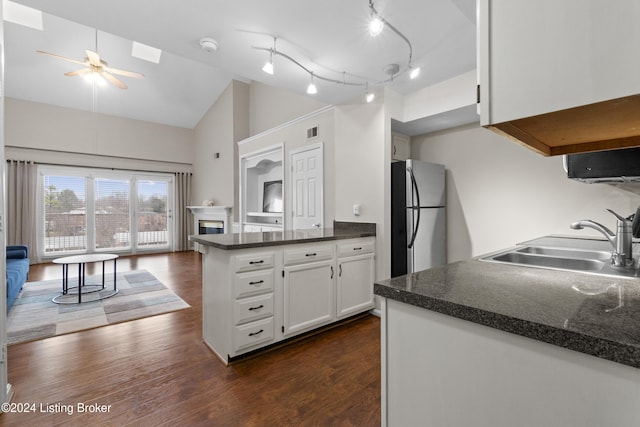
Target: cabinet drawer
pixel 310 254
pixel 252 334
pixel 254 261
pixel 253 283
pixel 356 248
pixel 254 308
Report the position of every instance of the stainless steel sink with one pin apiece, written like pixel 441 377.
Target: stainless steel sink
pixel 563 253
pixel 550 261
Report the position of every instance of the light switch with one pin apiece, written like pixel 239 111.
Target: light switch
pixel 356 210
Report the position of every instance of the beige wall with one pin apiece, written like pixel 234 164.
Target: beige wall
pixel 499 193
pixel 51 134
pixel 271 107
pixel 215 178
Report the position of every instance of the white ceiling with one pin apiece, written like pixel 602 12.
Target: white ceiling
pixel 328 37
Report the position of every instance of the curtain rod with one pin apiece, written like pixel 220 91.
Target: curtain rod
pixel 96 167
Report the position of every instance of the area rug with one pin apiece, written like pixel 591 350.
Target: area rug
pixel 34 316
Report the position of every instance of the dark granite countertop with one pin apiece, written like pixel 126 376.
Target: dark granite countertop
pixel 591 314
pixel 340 230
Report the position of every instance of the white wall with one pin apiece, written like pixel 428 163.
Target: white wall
pixel 360 170
pixel 499 193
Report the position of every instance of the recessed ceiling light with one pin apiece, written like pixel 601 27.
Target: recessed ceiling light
pixel 146 53
pixel 22 15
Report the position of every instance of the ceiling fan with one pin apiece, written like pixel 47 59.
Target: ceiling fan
pixel 96 66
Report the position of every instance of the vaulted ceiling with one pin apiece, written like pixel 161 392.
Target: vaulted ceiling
pixel 328 37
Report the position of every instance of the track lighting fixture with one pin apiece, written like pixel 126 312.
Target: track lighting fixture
pixel 369 96
pixel 268 67
pixel 377 24
pixel 312 89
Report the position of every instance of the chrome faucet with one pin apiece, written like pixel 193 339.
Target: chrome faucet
pixel 622 240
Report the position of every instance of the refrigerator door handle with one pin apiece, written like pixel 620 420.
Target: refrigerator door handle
pixel 415 207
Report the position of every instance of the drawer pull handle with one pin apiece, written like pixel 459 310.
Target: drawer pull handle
pixel 259 282
pixel 256 262
pixel 256 308
pixel 253 334
pixel 357 249
pixel 312 254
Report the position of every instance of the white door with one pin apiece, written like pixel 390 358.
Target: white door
pixel 307 188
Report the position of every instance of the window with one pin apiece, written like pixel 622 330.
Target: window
pixel 87 210
pixel 65 213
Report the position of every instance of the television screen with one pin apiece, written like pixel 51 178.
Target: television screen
pixel 272 196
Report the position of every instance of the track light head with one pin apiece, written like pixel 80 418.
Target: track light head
pixel 376 25
pixel 312 89
pixel 268 66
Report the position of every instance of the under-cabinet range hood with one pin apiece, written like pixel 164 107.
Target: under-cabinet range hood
pixel 612 166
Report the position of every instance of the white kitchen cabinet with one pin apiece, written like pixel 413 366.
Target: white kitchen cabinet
pixel 309 287
pixel 439 370
pixel 356 274
pixel 400 146
pixel 571 58
pixel 256 297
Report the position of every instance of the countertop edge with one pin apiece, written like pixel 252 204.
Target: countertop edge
pixel 265 243
pixel 599 347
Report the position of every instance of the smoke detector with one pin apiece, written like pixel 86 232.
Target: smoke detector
pixel 208 44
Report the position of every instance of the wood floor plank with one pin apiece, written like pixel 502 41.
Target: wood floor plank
pixel 157 371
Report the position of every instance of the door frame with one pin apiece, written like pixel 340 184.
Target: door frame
pixel 317 146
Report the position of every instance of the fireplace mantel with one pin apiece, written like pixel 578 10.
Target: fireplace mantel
pixel 210 213
pixel 218 211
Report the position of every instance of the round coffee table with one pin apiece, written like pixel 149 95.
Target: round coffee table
pixel 82 260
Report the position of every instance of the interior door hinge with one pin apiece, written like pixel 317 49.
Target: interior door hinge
pixel 478 94
pixel 282 273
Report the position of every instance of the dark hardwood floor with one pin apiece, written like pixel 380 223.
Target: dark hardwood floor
pixel 157 371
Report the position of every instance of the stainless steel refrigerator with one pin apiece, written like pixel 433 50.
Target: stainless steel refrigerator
pixel 418 216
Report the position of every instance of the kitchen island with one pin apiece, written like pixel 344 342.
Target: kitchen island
pixel 260 289
pixel 487 344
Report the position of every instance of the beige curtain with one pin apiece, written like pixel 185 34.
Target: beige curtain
pixel 183 217
pixel 21 205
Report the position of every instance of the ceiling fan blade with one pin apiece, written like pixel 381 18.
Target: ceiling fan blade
pixel 79 72
pixel 94 58
pixel 125 73
pixel 113 80
pixel 64 58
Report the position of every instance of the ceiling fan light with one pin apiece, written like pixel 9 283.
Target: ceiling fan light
pixel 95 78
pixel 414 73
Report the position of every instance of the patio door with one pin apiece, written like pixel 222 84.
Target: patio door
pixel 153 214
